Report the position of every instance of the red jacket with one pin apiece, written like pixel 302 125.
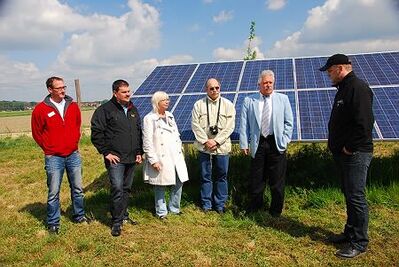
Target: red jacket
pixel 56 136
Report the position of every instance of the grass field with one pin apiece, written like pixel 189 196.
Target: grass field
pixel 314 209
pixel 20 113
pixel 14 123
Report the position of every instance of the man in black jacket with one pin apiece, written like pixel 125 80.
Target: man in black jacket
pixel 116 133
pixel 350 141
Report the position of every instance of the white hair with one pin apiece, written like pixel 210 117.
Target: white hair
pixel 265 73
pixel 157 97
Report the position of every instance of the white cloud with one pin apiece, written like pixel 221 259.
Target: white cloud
pixel 95 48
pixel 94 39
pixel 17 77
pixel 116 39
pixel 177 59
pixel 226 54
pixel 335 27
pixel 223 16
pixel 275 4
pixel 222 54
pixel 37 24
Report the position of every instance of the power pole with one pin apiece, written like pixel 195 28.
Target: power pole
pixel 77 89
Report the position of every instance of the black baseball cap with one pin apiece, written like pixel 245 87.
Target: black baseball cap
pixel 336 59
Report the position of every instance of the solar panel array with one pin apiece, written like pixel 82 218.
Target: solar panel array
pixel 309 90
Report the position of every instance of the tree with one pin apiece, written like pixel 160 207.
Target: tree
pixel 251 54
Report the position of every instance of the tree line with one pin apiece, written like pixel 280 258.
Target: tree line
pixel 16 105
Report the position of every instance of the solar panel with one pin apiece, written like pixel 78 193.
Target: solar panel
pixel 309 90
pixel 170 79
pixel 144 106
pixel 314 114
pixel 282 68
pixel 385 105
pixel 227 73
pixel 315 109
pixel 375 69
pixel 308 74
pixel 182 113
pixel 378 68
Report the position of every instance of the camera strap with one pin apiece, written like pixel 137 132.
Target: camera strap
pixel 207 111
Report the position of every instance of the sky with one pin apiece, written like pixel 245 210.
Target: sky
pixel 100 41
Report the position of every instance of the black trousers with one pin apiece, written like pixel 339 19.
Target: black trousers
pixel 269 164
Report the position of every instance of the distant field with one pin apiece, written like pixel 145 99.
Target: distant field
pixel 15 113
pixel 18 122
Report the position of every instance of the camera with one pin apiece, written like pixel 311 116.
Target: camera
pixel 213 130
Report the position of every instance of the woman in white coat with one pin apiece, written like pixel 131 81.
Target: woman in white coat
pixel 164 155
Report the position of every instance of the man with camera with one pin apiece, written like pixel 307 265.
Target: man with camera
pixel 213 121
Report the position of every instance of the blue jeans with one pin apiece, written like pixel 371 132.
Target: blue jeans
pixel 121 179
pixel 174 198
pixel 353 170
pixel 55 167
pixel 220 164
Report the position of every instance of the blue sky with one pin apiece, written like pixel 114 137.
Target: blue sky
pixel 100 41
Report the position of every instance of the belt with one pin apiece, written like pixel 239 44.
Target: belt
pixel 270 136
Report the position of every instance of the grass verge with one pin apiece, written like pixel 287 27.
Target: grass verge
pixel 313 210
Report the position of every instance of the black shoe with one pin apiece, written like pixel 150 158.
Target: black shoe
pixel 116 230
pixel 83 220
pixel 53 229
pixel 222 211
pixel 206 210
pixel 338 239
pixel 275 214
pixel 252 209
pixel 348 252
pixel 162 217
pixel 177 213
pixel 129 221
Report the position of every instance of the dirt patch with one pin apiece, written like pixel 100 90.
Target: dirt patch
pixel 21 124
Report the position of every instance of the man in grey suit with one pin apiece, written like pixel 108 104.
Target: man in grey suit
pixel 266 122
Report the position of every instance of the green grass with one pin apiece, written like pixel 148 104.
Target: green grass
pixel 15 113
pixel 314 209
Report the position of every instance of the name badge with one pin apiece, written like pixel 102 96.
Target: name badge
pixel 51 114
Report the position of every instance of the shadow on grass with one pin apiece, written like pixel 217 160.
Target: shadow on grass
pixel 98 197
pixel 293 227
pixel 37 210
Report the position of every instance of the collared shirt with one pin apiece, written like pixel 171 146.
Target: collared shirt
pixel 60 106
pixel 226 124
pixel 269 126
pixel 125 108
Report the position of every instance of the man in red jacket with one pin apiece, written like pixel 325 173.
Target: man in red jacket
pixel 56 129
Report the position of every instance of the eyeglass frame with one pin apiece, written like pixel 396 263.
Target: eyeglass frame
pixel 214 88
pixel 59 88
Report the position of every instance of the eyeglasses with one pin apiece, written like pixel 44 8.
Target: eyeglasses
pixel 214 88
pixel 60 88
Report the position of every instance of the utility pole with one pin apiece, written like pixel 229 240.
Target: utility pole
pixel 77 89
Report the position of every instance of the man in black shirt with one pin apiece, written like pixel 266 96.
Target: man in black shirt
pixel 350 141
pixel 117 135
